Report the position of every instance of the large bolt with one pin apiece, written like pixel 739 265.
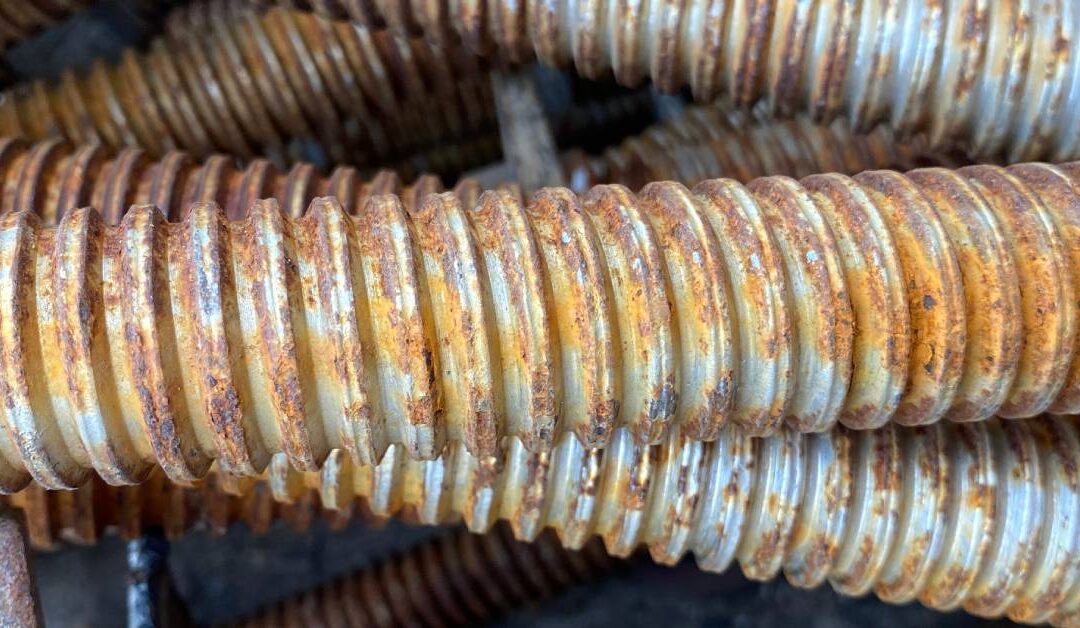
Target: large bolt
pixel 85 515
pixel 706 142
pixel 51 177
pixel 460 579
pixel 470 318
pixel 227 79
pixel 974 515
pixel 996 76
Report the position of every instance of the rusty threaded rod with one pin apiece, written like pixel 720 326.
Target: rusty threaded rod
pixel 974 515
pixel 51 177
pixel 475 317
pixel 1000 77
pixel 459 579
pixel 231 80
pixel 84 515
pixel 705 142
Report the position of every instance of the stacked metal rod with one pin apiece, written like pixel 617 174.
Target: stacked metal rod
pixel 865 300
pixel 227 79
pixel 50 177
pixel 996 77
pixel 458 580
pixel 973 515
pixel 84 516
pixel 705 142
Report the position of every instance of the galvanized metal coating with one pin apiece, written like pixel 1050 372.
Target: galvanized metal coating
pixel 979 516
pixel 224 78
pixel 998 77
pixel 460 579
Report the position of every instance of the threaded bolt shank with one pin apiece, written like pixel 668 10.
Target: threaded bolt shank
pixel 996 76
pixel 465 318
pixel 973 515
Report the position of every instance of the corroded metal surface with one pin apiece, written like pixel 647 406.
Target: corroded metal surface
pixel 999 77
pixel 83 516
pixel 460 579
pixel 705 142
pixel 225 78
pixel 979 516
pixel 51 177
pixel 19 605
pixel 434 319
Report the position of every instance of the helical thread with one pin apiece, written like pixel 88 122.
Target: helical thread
pixel 705 142
pixel 51 177
pixel 85 515
pixel 227 79
pixel 459 579
pixel 1000 77
pixel 471 317
pixel 974 515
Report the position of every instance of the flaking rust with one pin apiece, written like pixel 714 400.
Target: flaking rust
pixel 781 302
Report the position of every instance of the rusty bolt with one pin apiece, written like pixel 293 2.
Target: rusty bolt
pixel 83 516
pixel 472 317
pixel 459 579
pixel 980 516
pixel 997 76
pixel 225 78
pixel 51 177
pixel 705 142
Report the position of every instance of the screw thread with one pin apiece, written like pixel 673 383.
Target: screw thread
pixel 997 76
pixel 470 317
pixel 227 79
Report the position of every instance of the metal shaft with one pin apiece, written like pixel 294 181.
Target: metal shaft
pixel 227 79
pixel 980 516
pixel 998 77
pixel 461 579
pixel 19 604
pixel 51 177
pixel 883 297
pixel 85 515
pixel 706 142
